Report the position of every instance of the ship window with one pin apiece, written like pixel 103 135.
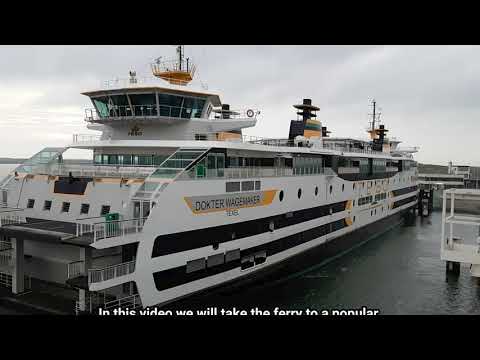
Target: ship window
pixel 65 207
pixel 169 105
pixel 105 210
pixel 257 185
pixel 30 203
pixel 316 190
pixel 112 159
pixel 343 187
pixel 299 194
pixel 201 137
pixel 84 209
pixel 192 108
pixel 102 105
pixel 47 205
pixel 248 185
pixel 331 188
pixel 280 196
pixel 232 255
pixel 121 107
pixel 247 262
pixel 144 104
pixel 260 257
pixel 195 265
pixel 215 260
pixel 233 186
pixel 209 110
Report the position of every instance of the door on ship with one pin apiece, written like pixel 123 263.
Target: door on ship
pixel 141 210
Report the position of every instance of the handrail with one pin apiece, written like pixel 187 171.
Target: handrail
pixel 108 229
pixel 124 171
pixel 75 269
pixel 133 301
pixel 118 112
pixel 5 245
pixel 11 219
pixel 110 272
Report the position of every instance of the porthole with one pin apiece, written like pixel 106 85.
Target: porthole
pixel 343 187
pixel 316 190
pixel 331 188
pixel 299 194
pixel 280 196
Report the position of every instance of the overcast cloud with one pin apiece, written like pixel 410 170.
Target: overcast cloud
pixel 428 94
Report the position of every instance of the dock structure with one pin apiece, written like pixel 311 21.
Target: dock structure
pixel 456 250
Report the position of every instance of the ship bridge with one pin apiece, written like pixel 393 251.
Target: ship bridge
pixel 152 103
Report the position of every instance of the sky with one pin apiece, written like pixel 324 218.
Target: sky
pixel 427 94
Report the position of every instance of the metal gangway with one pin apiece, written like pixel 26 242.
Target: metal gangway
pixel 464 248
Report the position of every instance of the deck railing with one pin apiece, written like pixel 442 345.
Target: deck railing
pixel 116 228
pixel 108 229
pixel 110 272
pixel 75 269
pixel 10 219
pixel 94 170
pixel 132 302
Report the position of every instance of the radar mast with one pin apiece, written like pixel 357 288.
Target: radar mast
pixel 178 71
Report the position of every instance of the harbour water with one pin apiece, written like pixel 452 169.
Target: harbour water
pixel 399 272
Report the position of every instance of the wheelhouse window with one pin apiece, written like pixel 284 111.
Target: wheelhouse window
pixel 144 104
pixel 102 105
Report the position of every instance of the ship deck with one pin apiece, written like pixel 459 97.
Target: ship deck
pixel 47 231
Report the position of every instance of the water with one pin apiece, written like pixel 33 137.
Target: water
pixel 399 272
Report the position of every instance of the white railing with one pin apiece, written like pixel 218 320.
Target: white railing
pixel 85 138
pixel 5 245
pixel 75 269
pixel 132 302
pixel 348 170
pixel 6 279
pixel 253 172
pixel 350 149
pixel 8 219
pixel 117 228
pixel 110 272
pixel 94 170
pixel 6 258
pixel 154 110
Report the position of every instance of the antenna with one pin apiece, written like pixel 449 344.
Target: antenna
pixel 373 119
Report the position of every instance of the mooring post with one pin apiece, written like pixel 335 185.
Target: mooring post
pixel 453 267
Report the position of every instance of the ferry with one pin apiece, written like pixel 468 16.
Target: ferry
pixel 177 200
